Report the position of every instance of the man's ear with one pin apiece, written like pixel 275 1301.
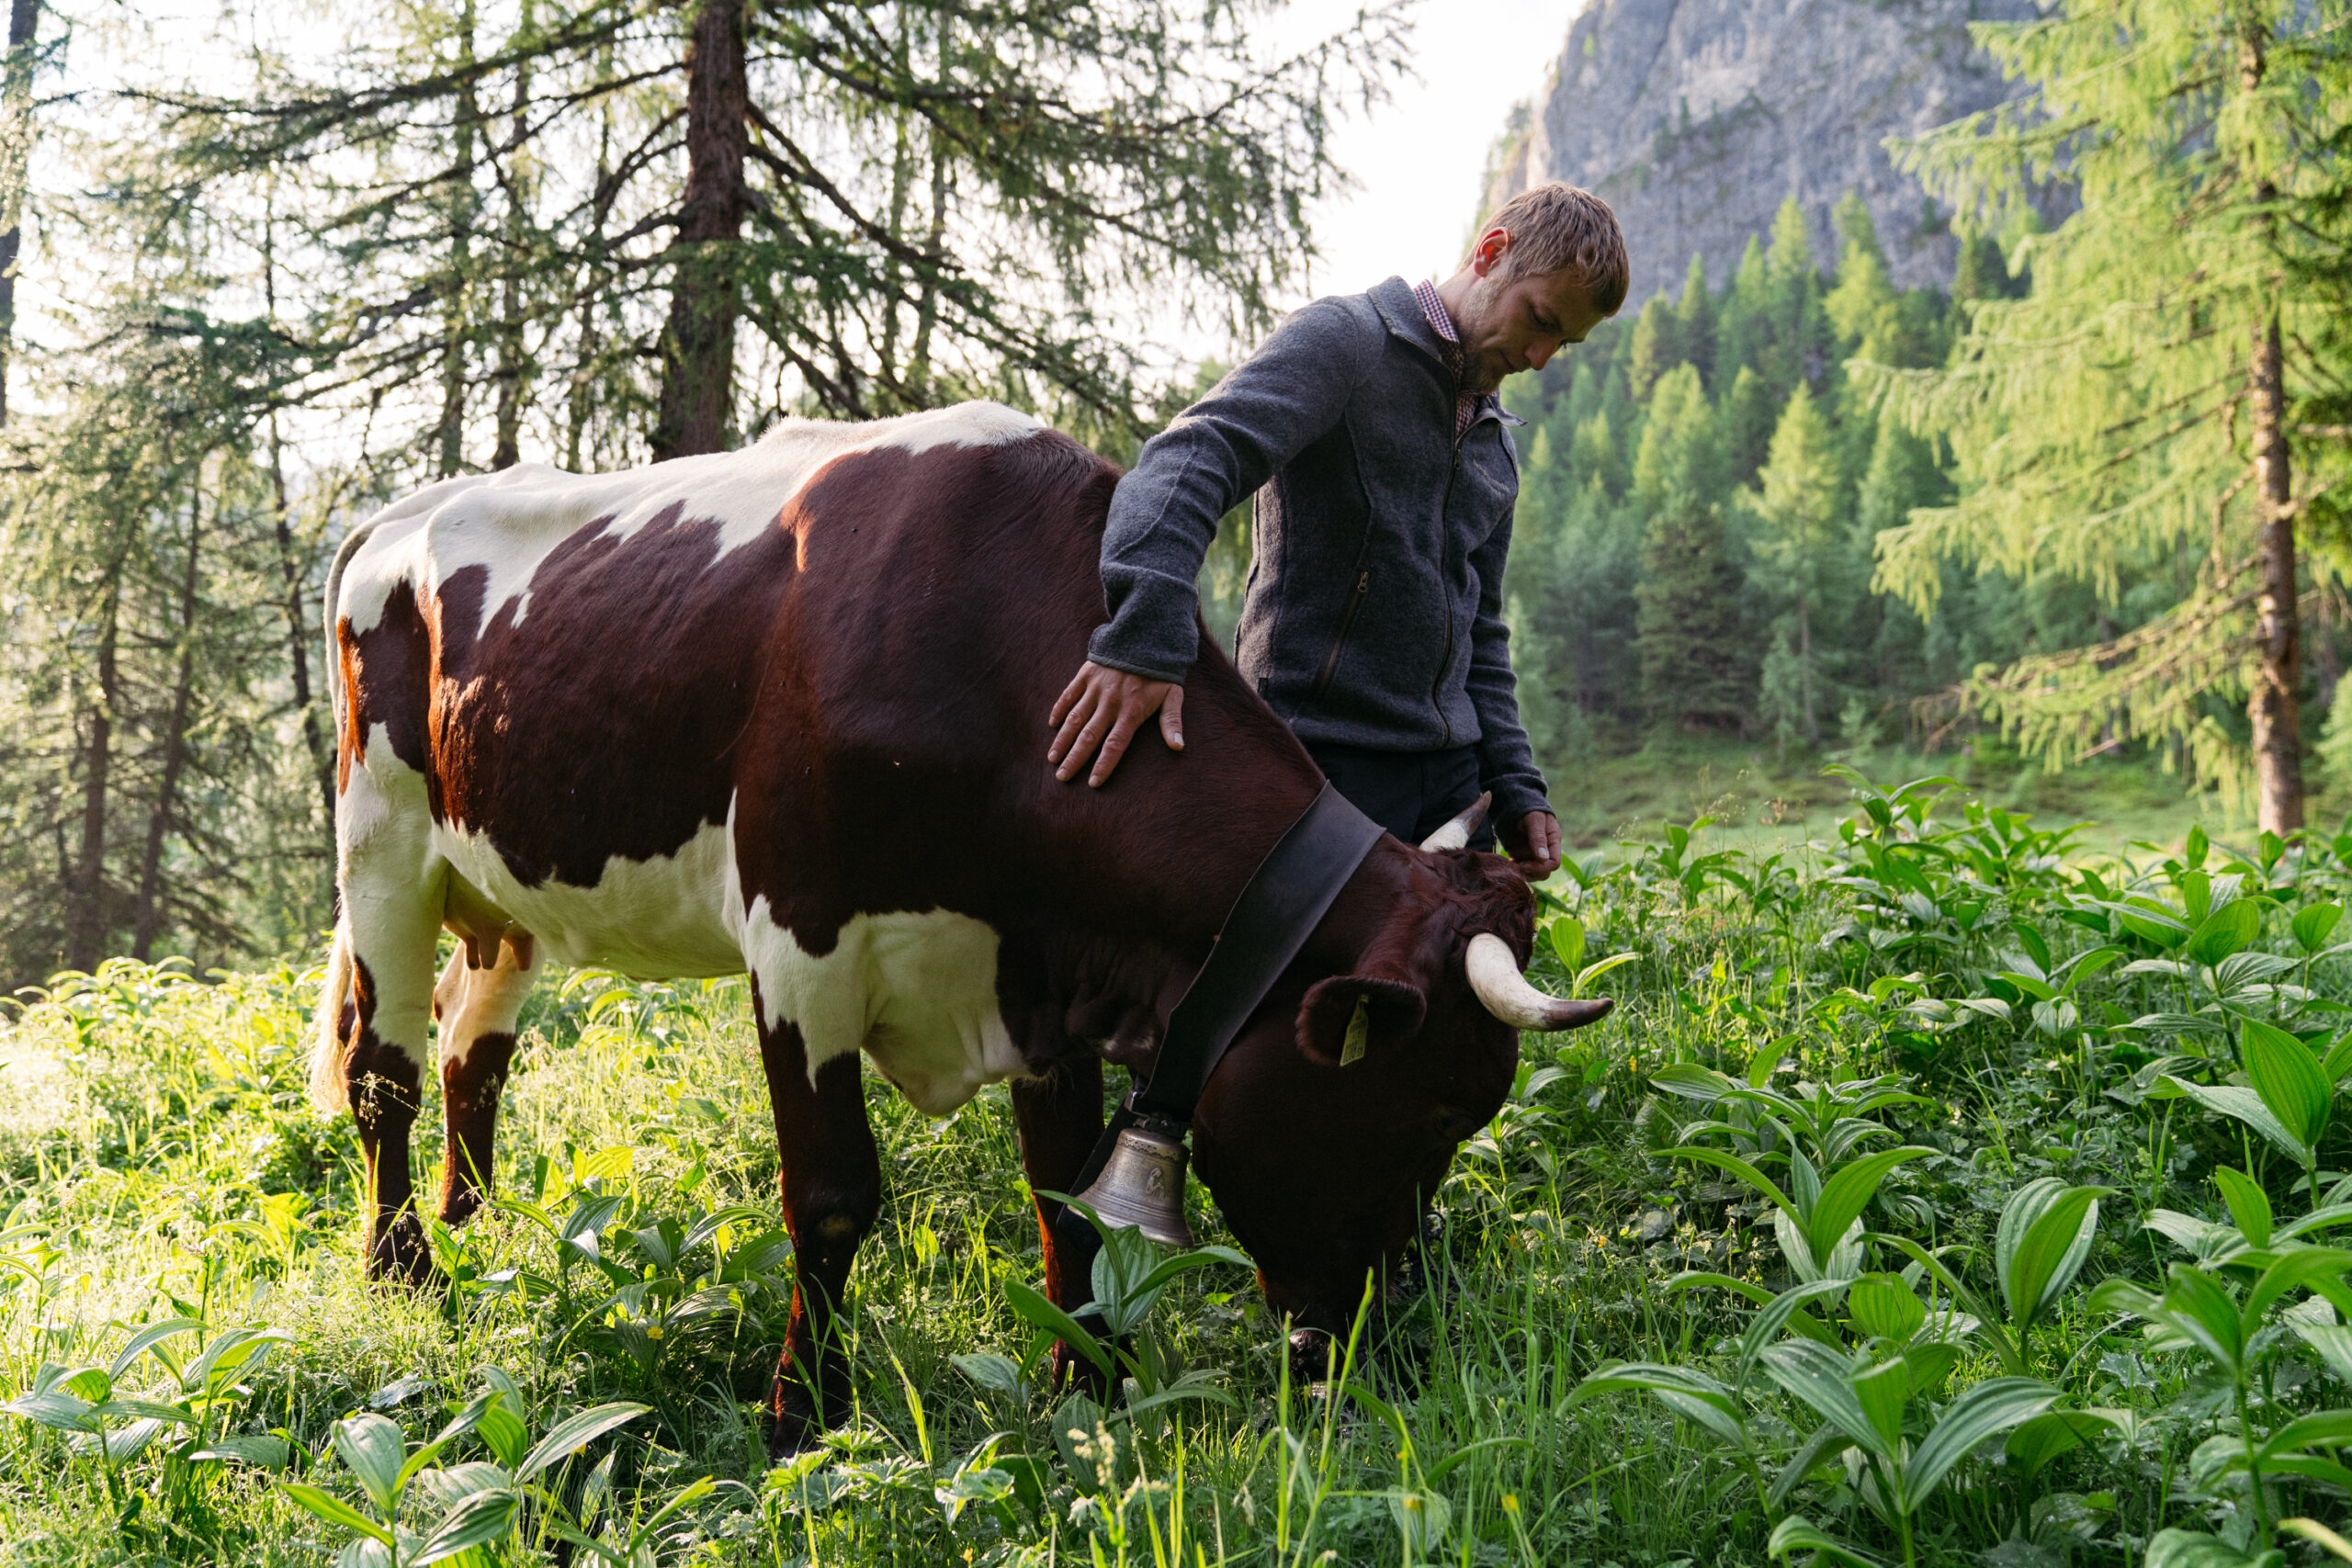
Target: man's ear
pixel 1346 1015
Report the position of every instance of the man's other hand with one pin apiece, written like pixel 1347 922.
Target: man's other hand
pixel 1534 843
pixel 1103 708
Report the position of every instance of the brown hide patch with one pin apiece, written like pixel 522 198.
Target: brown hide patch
pixel 602 725
pixel 386 676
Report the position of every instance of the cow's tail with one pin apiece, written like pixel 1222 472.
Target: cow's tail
pixel 329 1091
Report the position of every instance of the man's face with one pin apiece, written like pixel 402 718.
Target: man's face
pixel 1514 325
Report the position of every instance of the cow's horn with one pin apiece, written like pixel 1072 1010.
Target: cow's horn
pixel 1493 974
pixel 1456 834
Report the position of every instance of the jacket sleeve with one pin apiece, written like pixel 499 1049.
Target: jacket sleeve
pixel 1506 761
pixel 1216 453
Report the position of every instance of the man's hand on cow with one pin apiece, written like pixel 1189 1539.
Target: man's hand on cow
pixel 1101 711
pixel 1534 843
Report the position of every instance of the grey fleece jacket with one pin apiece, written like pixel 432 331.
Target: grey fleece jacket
pixel 1374 616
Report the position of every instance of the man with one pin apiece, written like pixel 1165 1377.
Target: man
pixel 1373 619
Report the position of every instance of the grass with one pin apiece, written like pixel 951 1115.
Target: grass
pixel 160 1164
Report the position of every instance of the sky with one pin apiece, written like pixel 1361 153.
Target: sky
pixel 1416 158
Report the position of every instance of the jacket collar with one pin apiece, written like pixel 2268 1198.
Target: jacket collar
pixel 1402 314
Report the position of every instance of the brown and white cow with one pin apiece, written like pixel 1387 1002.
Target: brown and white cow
pixel 783 710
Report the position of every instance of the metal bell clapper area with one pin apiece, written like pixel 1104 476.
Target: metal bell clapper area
pixel 1142 1184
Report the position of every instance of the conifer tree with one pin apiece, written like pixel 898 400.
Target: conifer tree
pixel 1796 500
pixel 1694 320
pixel 2136 401
pixel 1655 349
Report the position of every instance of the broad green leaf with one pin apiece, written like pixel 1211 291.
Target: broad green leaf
pixel 1691 1393
pixel 1797 1533
pixel 991 1370
pixel 2152 921
pixel 2012 1356
pixel 1566 934
pixel 1692 1081
pixel 1763 1184
pixel 2293 1271
pixel 268 1453
pixel 1991 1407
pixel 2312 1530
pixel 503 1431
pixel 1757 1295
pixel 1884 1307
pixel 1033 1306
pixel 2248 1204
pixel 1820 1378
pixel 2225 931
pixel 2327 1429
pixel 1764 1326
pixel 576 1433
pixel 1184 1262
pixel 482 1517
pixel 334 1510
pixel 1848 1192
pixel 373 1448
pixel 2313 922
pixel 1883 1391
pixel 1591 972
pixel 2044 1233
pixel 2333 1343
pixel 146 1339
pixel 2053 1434
pixel 2233 1100
pixel 2288 1077
pixel 2190 1549
pixel 2198 1306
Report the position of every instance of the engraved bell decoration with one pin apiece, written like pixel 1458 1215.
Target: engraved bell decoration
pixel 1142 1184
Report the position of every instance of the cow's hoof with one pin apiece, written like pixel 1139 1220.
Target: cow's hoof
pixel 794 1427
pixel 398 1256
pixel 1068 1369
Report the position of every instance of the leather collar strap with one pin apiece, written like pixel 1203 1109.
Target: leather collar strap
pixel 1287 896
pixel 1279 906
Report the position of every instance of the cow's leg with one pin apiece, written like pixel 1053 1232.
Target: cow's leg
pixel 832 1184
pixel 391 892
pixel 1060 1118
pixel 477 1010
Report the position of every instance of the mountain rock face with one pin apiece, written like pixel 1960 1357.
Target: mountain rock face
pixel 1694 119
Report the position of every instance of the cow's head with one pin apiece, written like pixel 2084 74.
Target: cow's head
pixel 1324 1164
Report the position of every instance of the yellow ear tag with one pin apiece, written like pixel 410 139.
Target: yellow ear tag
pixel 1358 1030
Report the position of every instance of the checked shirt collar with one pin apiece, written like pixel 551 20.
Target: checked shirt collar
pixel 1469 405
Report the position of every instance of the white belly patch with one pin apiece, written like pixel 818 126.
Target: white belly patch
pixel 917 990
pixel 662 919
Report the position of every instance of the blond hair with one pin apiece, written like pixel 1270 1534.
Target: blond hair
pixel 1558 228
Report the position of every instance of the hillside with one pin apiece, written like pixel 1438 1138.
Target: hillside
pixel 1696 118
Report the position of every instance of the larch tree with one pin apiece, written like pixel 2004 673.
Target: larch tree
pixel 2138 402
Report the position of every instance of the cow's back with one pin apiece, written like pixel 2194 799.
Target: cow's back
pixel 581 672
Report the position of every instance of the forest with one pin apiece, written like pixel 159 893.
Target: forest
pixel 1943 1188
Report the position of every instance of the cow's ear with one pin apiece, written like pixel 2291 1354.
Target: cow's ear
pixel 1348 1015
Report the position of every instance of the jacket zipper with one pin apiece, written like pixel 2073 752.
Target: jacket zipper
pixel 1347 619
pixel 1446 586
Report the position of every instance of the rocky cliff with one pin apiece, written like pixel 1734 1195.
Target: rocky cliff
pixel 1696 118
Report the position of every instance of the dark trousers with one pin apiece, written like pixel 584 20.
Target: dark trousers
pixel 1411 794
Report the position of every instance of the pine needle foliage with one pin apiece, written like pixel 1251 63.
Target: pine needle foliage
pixel 2129 410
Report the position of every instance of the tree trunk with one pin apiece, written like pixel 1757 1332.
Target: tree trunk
pixel 300 626
pixel 16 101
pixel 467 115
pixel 85 919
pixel 698 345
pixel 2278 686
pixel 2277 683
pixel 511 362
pixel 1804 671
pixel 149 920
